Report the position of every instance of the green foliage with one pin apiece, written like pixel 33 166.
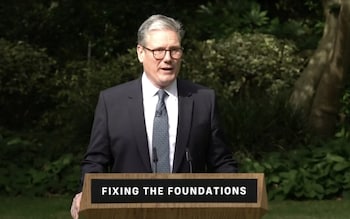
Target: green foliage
pixel 305 34
pixel 255 18
pixel 344 114
pixel 25 170
pixel 291 9
pixel 315 172
pixel 25 85
pixel 243 62
pixel 252 74
pixel 300 21
pixel 221 18
pixel 68 28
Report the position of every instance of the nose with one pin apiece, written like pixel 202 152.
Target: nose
pixel 167 55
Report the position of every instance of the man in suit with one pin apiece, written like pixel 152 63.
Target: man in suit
pixel 124 136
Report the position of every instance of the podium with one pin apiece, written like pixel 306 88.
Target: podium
pixel 173 196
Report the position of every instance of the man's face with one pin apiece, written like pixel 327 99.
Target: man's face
pixel 161 72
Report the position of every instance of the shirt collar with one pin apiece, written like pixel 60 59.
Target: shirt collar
pixel 149 90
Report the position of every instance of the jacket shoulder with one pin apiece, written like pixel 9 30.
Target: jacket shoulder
pixel 186 87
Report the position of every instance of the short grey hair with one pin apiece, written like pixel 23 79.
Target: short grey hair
pixel 159 22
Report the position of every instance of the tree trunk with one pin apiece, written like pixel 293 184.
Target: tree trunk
pixel 306 85
pixel 318 90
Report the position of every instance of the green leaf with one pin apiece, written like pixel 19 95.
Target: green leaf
pixel 341 166
pixel 335 158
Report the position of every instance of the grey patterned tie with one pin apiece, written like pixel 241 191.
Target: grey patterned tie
pixel 160 138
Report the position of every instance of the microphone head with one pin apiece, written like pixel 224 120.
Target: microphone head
pixel 189 160
pixel 188 155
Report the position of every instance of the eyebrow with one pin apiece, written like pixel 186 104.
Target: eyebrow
pixel 163 48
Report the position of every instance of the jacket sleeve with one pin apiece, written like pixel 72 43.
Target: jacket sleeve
pixel 98 156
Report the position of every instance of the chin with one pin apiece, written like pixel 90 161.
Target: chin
pixel 165 83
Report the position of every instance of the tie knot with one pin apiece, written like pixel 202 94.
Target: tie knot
pixel 162 94
pixel 161 109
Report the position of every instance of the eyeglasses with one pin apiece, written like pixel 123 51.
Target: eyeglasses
pixel 175 53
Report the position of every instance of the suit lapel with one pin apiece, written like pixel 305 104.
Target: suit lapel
pixel 184 124
pixel 135 106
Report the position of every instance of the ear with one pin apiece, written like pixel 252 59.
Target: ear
pixel 140 53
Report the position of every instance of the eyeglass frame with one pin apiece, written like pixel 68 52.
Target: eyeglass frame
pixel 171 50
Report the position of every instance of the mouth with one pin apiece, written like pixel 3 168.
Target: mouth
pixel 167 69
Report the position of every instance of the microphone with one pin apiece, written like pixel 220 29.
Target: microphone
pixel 189 159
pixel 155 159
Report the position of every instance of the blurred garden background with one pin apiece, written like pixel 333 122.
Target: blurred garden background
pixel 280 69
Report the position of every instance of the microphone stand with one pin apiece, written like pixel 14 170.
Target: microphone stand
pixel 189 159
pixel 155 159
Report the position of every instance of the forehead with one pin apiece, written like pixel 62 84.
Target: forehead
pixel 162 38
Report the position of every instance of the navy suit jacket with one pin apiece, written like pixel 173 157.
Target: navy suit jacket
pixel 119 140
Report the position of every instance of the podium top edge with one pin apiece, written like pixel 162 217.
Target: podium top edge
pixel 175 175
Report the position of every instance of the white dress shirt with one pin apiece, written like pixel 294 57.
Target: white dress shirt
pixel 150 99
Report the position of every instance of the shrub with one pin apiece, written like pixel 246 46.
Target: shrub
pixel 252 74
pixel 25 84
pixel 31 171
pixel 314 172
